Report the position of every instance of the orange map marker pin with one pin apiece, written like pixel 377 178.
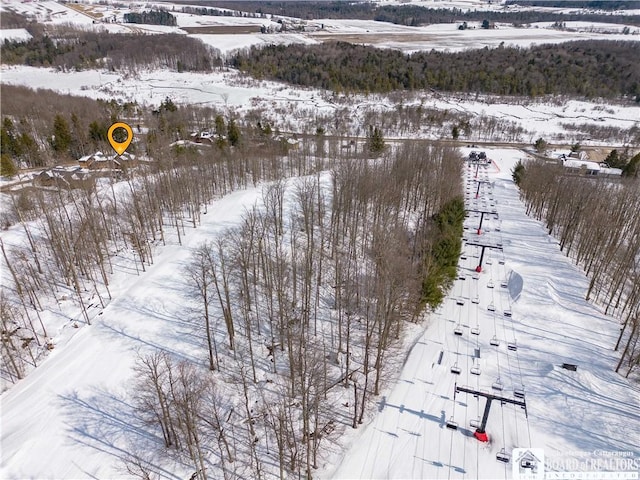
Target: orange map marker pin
pixel 120 147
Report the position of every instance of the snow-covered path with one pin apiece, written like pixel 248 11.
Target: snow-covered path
pixel 570 414
pixel 70 417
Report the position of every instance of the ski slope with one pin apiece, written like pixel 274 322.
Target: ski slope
pixel 69 419
pixel 570 415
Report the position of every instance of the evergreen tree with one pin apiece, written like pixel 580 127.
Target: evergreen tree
pixel 98 132
pixel 220 126
pixel 7 167
pixel 632 169
pixel 375 140
pixel 233 133
pixel 9 144
pixel 517 173
pixel 443 260
pixel 61 139
pixel 614 160
pixel 540 145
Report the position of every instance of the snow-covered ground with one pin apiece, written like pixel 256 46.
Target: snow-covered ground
pixel 448 37
pixel 68 418
pixel 227 44
pixel 14 34
pixel 99 16
pixel 229 89
pixel 62 413
pixel 572 416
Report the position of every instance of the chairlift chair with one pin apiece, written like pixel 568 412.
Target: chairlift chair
pixel 457 331
pixel 490 284
pixel 452 424
pixel 475 370
pixel 489 261
pixel 503 456
pixel 494 341
pixel 475 300
pixel 504 284
pixel 491 307
pixel 475 330
pixel 459 301
pixel 455 369
pixel 507 313
pixel 512 346
pixel 497 385
pixel 518 392
pixel 475 422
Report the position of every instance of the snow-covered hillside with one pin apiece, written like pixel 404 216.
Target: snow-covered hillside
pixel 573 416
pixel 71 417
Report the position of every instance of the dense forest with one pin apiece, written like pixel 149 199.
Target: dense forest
pixel 73 49
pixel 412 14
pixel 152 17
pixel 584 68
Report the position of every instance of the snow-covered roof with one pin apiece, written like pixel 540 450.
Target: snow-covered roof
pixel 573 163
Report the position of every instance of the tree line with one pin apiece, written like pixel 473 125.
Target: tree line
pixel 415 15
pixel 587 4
pixel 583 68
pixel 596 223
pixel 151 17
pixel 70 49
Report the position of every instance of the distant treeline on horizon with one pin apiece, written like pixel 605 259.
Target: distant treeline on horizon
pixel 416 15
pixel 587 68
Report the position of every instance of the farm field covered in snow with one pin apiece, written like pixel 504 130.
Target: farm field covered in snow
pixel 444 37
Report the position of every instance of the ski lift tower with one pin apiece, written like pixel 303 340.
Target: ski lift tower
pixel 483 246
pixel 480 432
pixel 482 214
pixel 480 182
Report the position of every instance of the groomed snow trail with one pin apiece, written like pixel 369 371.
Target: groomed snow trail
pixel 68 419
pixel 525 315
